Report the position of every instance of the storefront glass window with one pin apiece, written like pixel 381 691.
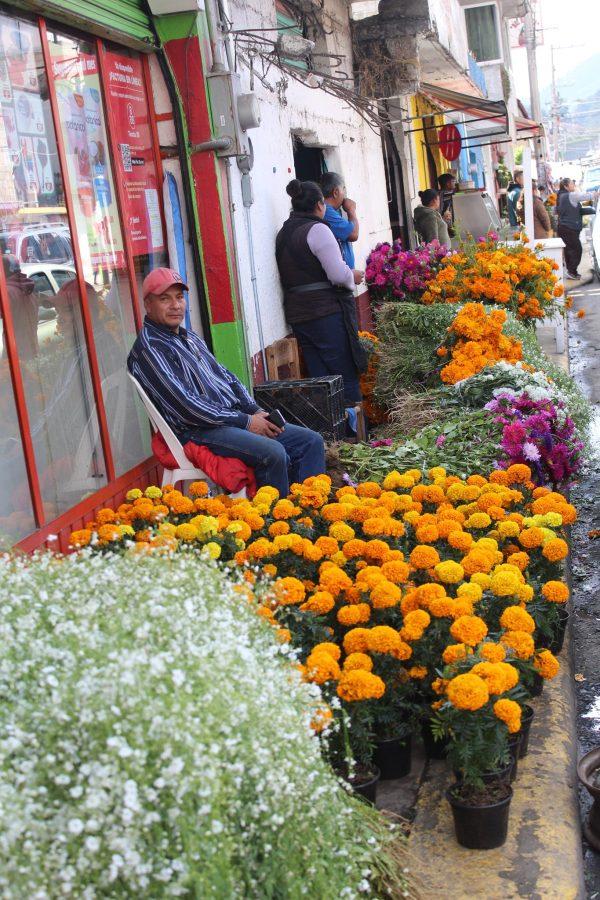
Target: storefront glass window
pixel 100 235
pixel 37 255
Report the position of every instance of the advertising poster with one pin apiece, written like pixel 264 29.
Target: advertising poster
pixel 81 115
pixel 17 43
pixel 127 99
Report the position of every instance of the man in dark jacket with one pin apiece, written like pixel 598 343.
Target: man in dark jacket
pixel 513 192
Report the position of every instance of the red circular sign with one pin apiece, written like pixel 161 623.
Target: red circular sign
pixel 450 142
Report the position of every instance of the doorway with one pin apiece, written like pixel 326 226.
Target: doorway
pixel 309 162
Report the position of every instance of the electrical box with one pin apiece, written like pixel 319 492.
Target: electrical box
pixel 232 112
pixel 475 213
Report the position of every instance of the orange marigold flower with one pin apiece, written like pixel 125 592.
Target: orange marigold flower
pixel 555 549
pixel 467 692
pixel 508 712
pixel 356 684
pixel 354 614
pixel 423 557
pixel 516 619
pixel 358 661
pixel 454 652
pixel 289 591
pixel 469 630
pixel 555 591
pixel 322 667
pixel 492 652
pixel 320 603
pixel 385 595
pixel 546 664
pixel 499 676
pixel 355 641
pixel 520 642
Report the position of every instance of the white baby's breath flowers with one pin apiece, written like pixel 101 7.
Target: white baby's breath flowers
pixel 154 742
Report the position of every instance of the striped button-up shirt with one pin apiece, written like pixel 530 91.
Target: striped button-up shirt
pixel 185 381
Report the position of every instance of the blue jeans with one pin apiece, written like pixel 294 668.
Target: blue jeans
pixel 294 455
pixel 326 349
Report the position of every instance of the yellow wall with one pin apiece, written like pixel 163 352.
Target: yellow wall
pixel 420 106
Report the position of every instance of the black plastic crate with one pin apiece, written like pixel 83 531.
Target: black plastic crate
pixel 316 403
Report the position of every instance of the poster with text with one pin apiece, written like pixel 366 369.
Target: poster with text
pixel 82 121
pixel 127 99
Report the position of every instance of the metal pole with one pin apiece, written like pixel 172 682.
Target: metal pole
pixel 534 90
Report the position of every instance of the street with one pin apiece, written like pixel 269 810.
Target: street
pixel 584 351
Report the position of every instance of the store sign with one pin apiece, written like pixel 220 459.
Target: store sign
pixel 450 142
pixel 77 85
pixel 126 95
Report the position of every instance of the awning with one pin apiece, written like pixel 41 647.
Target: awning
pixel 483 118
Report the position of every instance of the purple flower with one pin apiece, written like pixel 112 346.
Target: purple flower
pixel 530 451
pixel 440 440
pixel 346 478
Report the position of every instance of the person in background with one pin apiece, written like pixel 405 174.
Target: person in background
pixel 204 402
pixel 344 230
pixel 318 291
pixel 513 192
pixel 447 185
pixel 570 222
pixel 428 220
pixel 542 225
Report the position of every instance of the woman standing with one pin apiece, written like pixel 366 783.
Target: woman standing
pixel 318 291
pixel 570 222
pixel 542 225
pixel 428 221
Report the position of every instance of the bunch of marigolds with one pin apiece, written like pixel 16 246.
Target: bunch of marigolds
pixel 383 587
pixel 476 341
pixel 513 276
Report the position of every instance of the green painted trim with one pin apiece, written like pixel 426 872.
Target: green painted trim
pixel 230 348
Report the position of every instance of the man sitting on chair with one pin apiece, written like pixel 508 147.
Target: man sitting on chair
pixel 204 402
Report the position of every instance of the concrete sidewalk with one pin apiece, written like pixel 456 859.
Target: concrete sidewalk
pixel 542 857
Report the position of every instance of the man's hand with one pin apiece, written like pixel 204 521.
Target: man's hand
pixel 259 424
pixel 358 276
pixel 349 206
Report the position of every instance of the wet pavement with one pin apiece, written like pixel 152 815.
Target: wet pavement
pixel 584 357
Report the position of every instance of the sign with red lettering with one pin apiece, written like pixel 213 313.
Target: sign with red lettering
pixel 450 142
pixel 136 168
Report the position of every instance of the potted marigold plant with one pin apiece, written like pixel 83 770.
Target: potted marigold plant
pixel 478 715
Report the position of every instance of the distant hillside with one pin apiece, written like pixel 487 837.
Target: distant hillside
pixel 578 83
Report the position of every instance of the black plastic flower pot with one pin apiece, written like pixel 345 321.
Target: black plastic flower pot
pixel 393 757
pixel 497 776
pixel 537 686
pixel 366 786
pixel 527 714
pixel 482 827
pixel 556 640
pixel 433 749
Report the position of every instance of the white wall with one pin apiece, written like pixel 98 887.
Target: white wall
pixel 449 20
pixel 351 148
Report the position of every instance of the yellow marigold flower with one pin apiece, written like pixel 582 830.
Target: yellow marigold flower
pixel 80 538
pixel 328 647
pixel 520 642
pixel 289 591
pixel 393 481
pixel 553 519
pixel 356 684
pixel 206 525
pixel 555 549
pixel 508 712
pixel 321 667
pixel 355 614
pixel 499 676
pixel 467 692
pixel 358 661
pixel 342 532
pixel 468 630
pixel 482 579
pixel 470 591
pixel 546 664
pixel 418 672
pixel 504 584
pixel 492 652
pixel 478 520
pixel 153 492
pixel 424 557
pixel 449 572
pixel 555 592
pixel 454 652
pixel 385 595
pixel 516 619
pixel 508 529
pixel 133 494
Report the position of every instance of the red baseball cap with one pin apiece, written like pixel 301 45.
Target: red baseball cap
pixel 159 280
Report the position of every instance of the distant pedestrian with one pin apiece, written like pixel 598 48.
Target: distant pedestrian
pixel 318 291
pixel 428 221
pixel 570 222
pixel 447 185
pixel 513 192
pixel 345 230
pixel 542 225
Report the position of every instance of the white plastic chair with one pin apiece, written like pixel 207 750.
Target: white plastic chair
pixel 185 471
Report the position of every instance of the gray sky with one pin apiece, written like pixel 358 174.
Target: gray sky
pixel 576 22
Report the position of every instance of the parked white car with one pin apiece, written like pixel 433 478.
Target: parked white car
pixel 38 243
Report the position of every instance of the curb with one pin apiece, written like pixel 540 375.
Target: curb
pixel 542 857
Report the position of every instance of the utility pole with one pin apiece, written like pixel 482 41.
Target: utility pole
pixel 555 110
pixel 534 90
